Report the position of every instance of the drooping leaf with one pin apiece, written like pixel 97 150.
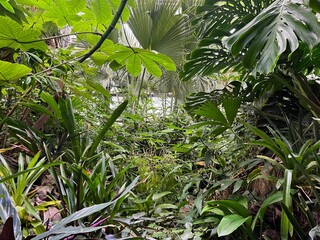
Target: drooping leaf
pixel 233 205
pixel 134 65
pixel 133 57
pixel 114 116
pixel 276 197
pixel 12 71
pixel 230 223
pixel 62 228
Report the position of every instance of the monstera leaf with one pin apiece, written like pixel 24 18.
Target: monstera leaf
pixel 278 28
pixel 217 20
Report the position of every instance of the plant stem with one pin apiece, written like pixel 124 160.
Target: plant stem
pixel 59 36
pixel 140 86
pixel 107 33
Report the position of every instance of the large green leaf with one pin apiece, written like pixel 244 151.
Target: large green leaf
pixel 157 26
pixel 12 71
pixel 230 223
pixel 232 205
pixel 276 197
pixel 58 11
pixel 13 35
pixel 133 57
pixel 76 6
pixel 102 11
pixel 276 29
pixel 216 20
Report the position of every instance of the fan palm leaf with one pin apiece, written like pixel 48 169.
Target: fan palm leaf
pixel 157 26
pixel 160 26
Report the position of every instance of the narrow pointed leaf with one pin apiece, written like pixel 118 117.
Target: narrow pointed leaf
pixel 115 115
pixel 230 223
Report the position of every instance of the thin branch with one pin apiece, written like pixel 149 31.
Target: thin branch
pixel 108 31
pixel 60 36
pixel 53 67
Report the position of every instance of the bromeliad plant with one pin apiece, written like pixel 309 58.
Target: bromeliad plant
pixel 21 188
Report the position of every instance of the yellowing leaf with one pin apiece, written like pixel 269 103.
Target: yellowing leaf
pixel 2 150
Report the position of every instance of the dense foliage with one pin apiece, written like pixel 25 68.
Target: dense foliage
pixel 86 152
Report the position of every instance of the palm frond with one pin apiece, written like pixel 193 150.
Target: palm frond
pixel 158 26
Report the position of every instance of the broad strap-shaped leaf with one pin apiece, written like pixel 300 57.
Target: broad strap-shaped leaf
pixel 276 29
pixel 275 197
pixel 61 226
pixel 12 71
pixel 230 223
pixel 13 35
pixel 232 205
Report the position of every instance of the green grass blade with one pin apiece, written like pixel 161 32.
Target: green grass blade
pixel 116 113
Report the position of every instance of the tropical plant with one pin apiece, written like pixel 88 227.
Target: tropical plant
pixel 161 26
pixel 269 52
pixel 20 186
